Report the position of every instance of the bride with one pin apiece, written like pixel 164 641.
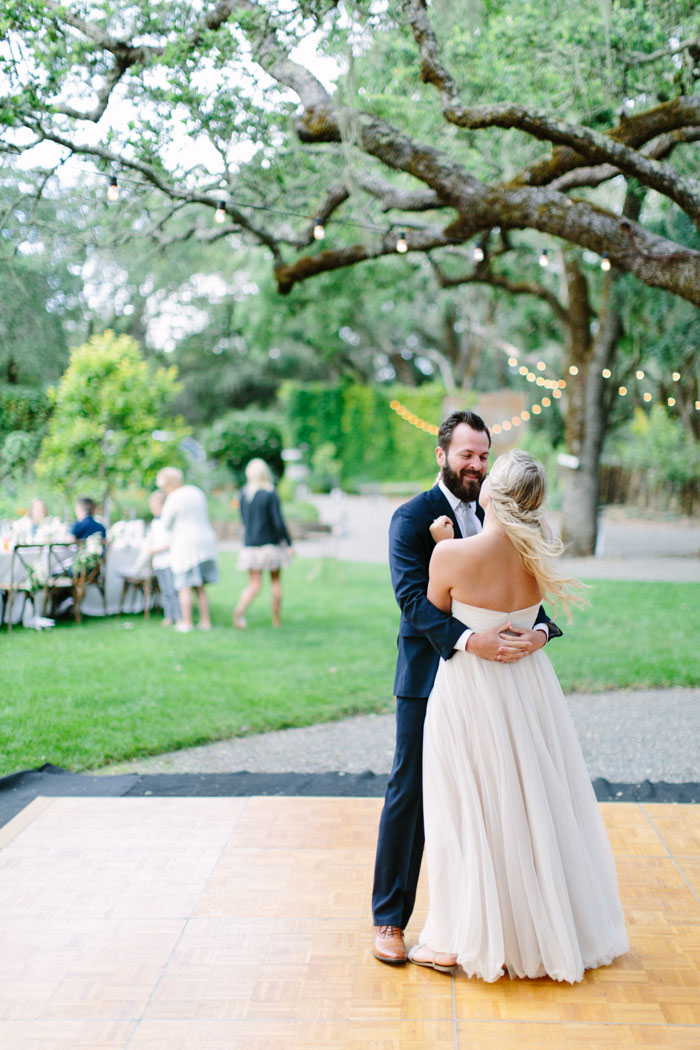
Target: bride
pixel 521 873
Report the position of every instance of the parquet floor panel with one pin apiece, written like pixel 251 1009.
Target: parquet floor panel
pixel 218 924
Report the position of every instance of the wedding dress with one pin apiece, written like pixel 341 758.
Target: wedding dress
pixel 520 868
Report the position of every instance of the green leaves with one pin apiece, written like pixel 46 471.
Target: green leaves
pixel 110 427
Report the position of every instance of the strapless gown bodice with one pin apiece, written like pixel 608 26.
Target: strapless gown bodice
pixel 480 619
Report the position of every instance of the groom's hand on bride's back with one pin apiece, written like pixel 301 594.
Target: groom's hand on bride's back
pixel 505 643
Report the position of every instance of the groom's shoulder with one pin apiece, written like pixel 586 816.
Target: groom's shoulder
pixel 419 505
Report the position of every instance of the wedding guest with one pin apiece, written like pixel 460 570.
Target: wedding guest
pixel 192 545
pixel 38 513
pixel 85 524
pixel 157 546
pixel 266 543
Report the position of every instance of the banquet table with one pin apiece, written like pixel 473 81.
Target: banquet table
pixel 121 560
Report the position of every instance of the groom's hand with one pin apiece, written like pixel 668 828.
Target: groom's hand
pixel 517 642
pixel 489 644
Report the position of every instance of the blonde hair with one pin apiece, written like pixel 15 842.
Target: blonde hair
pixel 517 486
pixel 258 476
pixel 169 476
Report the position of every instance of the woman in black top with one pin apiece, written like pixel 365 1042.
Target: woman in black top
pixel 266 543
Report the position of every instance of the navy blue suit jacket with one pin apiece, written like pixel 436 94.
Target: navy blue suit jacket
pixel 425 633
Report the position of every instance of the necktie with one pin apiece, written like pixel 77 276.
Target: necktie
pixel 466 521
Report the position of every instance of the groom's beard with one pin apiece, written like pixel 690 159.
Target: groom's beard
pixel 465 487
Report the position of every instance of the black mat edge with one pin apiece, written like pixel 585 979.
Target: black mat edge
pixel 18 789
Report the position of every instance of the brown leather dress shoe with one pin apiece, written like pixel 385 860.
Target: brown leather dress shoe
pixel 389 946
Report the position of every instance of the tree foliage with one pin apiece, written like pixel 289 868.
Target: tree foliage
pixel 110 426
pixel 450 123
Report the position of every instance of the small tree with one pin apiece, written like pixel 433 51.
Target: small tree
pixel 110 426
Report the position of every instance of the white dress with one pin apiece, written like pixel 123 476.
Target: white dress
pixel 520 868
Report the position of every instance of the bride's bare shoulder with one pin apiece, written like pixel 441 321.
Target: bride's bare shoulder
pixel 451 550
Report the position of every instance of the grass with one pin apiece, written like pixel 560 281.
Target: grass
pixel 111 689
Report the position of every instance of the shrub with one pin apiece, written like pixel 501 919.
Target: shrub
pixel 235 439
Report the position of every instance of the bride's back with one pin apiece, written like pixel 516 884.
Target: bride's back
pixel 486 571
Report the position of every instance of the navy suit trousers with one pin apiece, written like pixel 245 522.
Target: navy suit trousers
pixel 401 836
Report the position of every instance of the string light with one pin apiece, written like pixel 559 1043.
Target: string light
pixel 675 376
pixel 523 370
pixel 605 263
pixel 544 258
pixel 531 377
pixel 541 366
pixel 512 361
pixel 697 406
pixel 113 189
pixel 536 409
pixel 639 374
pixel 671 402
pixel 573 370
pixel 220 213
pixel 555 393
pixel 319 230
pixel 606 373
pixel 647 396
pixel 478 253
pixel 622 391
pixel 402 243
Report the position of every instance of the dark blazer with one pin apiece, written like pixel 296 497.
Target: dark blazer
pixel 262 519
pixel 425 633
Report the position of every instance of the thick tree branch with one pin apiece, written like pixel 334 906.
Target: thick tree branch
pixel 483 275
pixel 335 259
pixel 610 149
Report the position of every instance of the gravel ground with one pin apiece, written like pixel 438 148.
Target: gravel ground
pixel 625 736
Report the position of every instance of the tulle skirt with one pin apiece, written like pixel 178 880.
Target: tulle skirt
pixel 519 864
pixel 269 556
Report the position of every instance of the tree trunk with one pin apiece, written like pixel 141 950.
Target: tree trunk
pixel 581 488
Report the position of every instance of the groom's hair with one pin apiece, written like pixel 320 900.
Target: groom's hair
pixel 448 425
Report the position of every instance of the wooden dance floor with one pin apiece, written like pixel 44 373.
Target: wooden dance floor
pixel 226 923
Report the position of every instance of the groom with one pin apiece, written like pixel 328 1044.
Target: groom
pixel 425 635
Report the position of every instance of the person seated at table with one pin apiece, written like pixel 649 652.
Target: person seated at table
pixel 85 524
pixel 38 513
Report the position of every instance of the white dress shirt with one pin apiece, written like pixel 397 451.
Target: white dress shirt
pixel 469 525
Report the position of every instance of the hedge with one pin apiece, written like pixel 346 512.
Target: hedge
pixel 372 442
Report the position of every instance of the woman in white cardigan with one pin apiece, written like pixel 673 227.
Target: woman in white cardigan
pixel 192 544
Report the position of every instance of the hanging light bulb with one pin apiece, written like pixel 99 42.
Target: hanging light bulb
pixel 605 263
pixel 220 213
pixel 113 189
pixel 544 258
pixel 402 243
pixel 319 230
pixel 478 253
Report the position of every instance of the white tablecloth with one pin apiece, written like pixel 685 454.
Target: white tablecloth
pixel 120 561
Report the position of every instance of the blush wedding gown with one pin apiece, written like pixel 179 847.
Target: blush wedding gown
pixel 520 869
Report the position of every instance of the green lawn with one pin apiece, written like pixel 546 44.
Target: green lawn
pixel 108 690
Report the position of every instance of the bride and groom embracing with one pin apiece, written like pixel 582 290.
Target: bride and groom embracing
pixel 520 870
